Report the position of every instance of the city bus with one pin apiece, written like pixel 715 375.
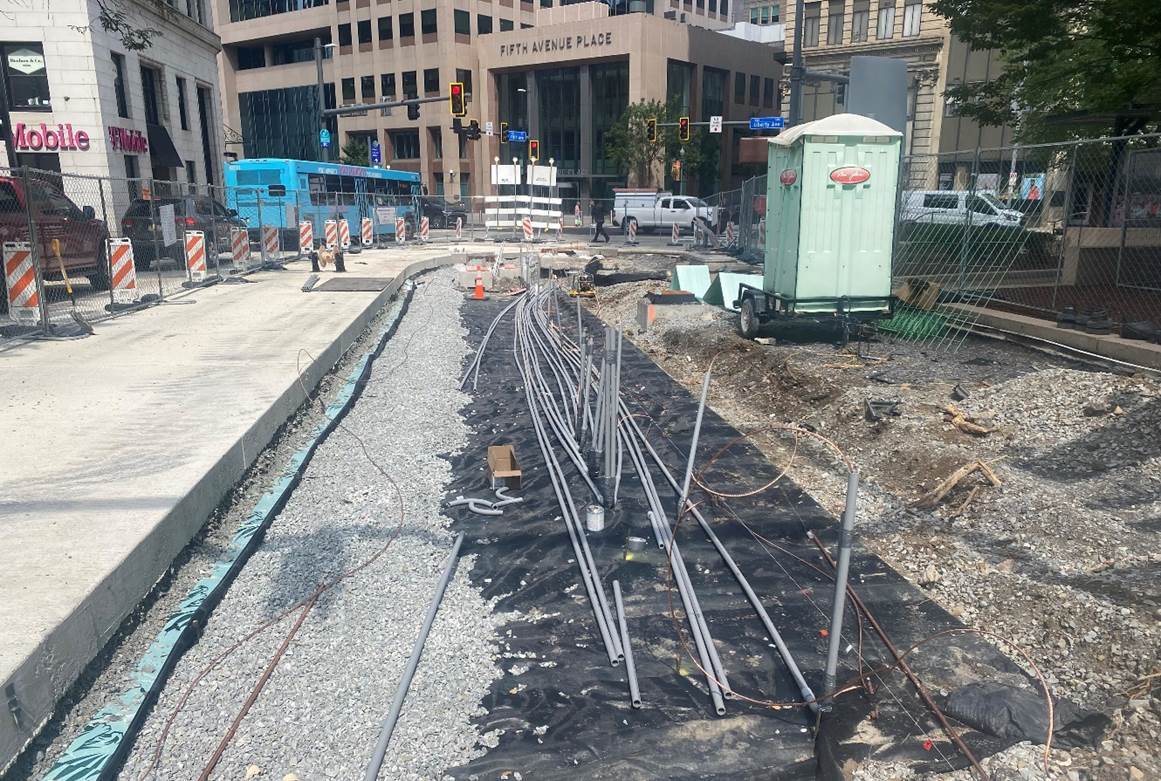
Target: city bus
pixel 277 191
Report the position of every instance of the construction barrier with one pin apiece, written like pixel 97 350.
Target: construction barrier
pixel 367 232
pixel 526 223
pixel 271 246
pixel 424 228
pixel 240 248
pixel 332 229
pixel 344 233
pixel 632 226
pixel 20 279
pixel 729 234
pixel 509 211
pixel 122 271
pixel 459 228
pixel 675 234
pixel 305 237
pixel 400 230
pixel 195 255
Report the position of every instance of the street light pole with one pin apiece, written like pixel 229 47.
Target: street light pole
pixel 796 67
pixel 324 152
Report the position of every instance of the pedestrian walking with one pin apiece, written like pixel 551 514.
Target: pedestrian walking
pixel 599 212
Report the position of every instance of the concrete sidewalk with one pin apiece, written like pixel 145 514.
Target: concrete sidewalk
pixel 118 447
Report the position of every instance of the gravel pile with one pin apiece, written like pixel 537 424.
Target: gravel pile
pixel 319 715
pixel 1062 557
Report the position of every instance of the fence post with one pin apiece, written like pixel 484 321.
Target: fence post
pixel 261 227
pixel 105 219
pixel 213 232
pixel 153 220
pixel 1068 196
pixel 1126 174
pixel 965 239
pixel 34 249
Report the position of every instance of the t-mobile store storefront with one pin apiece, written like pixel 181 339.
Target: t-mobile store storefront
pixel 567 84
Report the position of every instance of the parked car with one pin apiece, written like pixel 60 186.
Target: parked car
pixel 442 214
pixel 948 207
pixel 190 213
pixel 82 237
pixel 649 210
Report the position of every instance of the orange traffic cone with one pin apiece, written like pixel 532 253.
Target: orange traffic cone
pixel 478 293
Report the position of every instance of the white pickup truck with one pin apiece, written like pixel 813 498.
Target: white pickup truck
pixel 651 210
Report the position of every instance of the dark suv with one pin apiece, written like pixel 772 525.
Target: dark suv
pixel 191 213
pixel 81 236
pixel 441 214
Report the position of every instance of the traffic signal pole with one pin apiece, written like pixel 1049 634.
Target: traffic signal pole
pixel 325 152
pixel 361 107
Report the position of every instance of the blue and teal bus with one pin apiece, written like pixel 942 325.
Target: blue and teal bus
pixel 289 191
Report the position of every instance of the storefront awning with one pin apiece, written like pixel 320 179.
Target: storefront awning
pixel 162 152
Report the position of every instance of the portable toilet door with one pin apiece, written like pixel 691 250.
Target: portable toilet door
pixel 832 189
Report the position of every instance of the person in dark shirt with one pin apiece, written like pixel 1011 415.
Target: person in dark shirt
pixel 599 212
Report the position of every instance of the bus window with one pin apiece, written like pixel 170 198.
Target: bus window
pixel 318 188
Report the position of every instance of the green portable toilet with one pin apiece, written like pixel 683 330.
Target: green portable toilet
pixel 830 215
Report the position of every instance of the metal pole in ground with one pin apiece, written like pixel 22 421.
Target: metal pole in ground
pixel 105 219
pixel 155 221
pixel 846 538
pixel 630 667
pixel 35 249
pixel 213 231
pixel 409 671
pixel 261 228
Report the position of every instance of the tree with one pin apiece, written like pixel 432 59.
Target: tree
pixel 114 19
pixel 1066 63
pixel 626 144
pixel 356 151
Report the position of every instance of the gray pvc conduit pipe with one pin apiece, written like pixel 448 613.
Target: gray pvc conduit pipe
pixel 409 671
pixel 630 667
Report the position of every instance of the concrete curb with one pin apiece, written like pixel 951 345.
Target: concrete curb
pixel 46 675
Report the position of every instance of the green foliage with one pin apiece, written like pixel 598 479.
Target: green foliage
pixel 626 145
pixel 1062 59
pixel 355 152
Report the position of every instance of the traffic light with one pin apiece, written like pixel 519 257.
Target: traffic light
pixel 457 125
pixel 533 150
pixel 458 105
pixel 503 132
pixel 651 130
pixel 683 128
pixel 473 130
pixel 412 108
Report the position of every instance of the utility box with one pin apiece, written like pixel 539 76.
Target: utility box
pixel 830 215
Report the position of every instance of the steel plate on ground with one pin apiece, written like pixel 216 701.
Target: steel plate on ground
pixel 353 285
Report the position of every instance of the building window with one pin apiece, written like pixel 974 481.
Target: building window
pixel 427 22
pixel 713 6
pixel 289 52
pixel 768 93
pixel 739 88
pixel 407 25
pixel 26 76
pixel 912 16
pixel 885 25
pixel 241 10
pixel 404 144
pixel 275 123
pixel 525 26
pixel 387 85
pixel 464 76
pixel 410 88
pixel 431 81
pixel 385 32
pixel 151 91
pixel 465 186
pixel 505 25
pixel 191 173
pixel 365 31
pixel 131 169
pixel 725 9
pixel 119 85
pixel 251 57
pixel 714 86
pixel 436 142
pixel 463 22
pixel 348 90
pixel 860 20
pixel 679 85
pixel 344 35
pixel 182 109
pixel 701 6
pixel 834 22
pixel 546 3
pixel 367 87
pixel 755 85
pixel 483 24
pixel 810 22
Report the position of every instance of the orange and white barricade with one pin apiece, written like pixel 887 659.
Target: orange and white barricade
pixel 632 226
pixel 332 229
pixel 271 245
pixel 122 271
pixel 195 255
pixel 424 228
pixel 20 279
pixel 762 231
pixel 240 248
pixel 400 230
pixel 367 232
pixel 675 234
pixel 729 233
pixel 527 224
pixel 459 228
pixel 305 237
pixel 344 233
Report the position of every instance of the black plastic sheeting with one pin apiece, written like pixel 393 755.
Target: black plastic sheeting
pixel 561 711
pixel 1020 714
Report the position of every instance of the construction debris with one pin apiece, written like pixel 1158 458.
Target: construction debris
pixel 944 488
pixel 965 424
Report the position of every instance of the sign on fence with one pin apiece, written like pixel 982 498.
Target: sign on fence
pixel 385 215
pixel 168 222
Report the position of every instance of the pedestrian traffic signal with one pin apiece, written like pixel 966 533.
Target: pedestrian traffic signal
pixel 473 130
pixel 651 130
pixel 458 105
pixel 534 150
pixel 412 108
pixel 683 128
pixel 503 132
